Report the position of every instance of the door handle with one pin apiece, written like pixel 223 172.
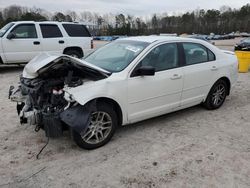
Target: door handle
pixel 61 41
pixel 36 42
pixel 214 68
pixel 175 77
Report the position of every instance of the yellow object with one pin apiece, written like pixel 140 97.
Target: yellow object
pixel 244 60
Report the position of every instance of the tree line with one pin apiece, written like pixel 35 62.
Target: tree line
pixel 224 20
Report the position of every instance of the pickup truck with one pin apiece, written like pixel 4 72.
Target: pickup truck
pixel 21 41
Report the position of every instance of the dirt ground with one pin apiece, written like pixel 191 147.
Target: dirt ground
pixel 190 148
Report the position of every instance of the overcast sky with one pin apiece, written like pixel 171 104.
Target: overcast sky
pixel 134 7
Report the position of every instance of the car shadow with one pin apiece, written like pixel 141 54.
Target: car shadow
pixel 10 68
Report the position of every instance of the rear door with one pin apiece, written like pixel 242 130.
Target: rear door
pixel 52 38
pixel 199 69
pixel 24 46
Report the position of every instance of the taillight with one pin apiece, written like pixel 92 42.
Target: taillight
pixel 92 44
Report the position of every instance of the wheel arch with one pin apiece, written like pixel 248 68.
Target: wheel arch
pixel 117 108
pixel 77 48
pixel 226 79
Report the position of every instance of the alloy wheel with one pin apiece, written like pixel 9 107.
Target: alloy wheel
pixel 99 128
pixel 219 94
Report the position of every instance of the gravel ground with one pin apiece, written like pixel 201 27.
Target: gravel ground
pixel 190 148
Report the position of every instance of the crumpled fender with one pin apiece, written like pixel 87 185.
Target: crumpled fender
pixel 78 117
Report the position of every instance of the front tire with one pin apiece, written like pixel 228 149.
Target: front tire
pixel 216 95
pixel 100 130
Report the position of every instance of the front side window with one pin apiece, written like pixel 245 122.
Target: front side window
pixel 50 31
pixel 117 55
pixel 25 31
pixel 162 57
pixel 196 53
pixel 76 30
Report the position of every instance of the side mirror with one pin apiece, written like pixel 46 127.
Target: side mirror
pixel 11 36
pixel 145 71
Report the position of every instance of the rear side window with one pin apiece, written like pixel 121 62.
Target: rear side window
pixel 211 56
pixel 50 31
pixel 197 53
pixel 76 30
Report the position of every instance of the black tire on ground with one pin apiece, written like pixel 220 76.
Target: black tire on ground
pixel 210 103
pixel 74 53
pixel 101 107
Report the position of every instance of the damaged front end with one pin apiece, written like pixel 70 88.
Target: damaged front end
pixel 41 94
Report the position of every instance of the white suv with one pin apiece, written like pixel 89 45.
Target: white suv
pixel 23 40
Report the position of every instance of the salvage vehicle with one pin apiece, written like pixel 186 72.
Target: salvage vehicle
pixel 244 45
pixel 123 82
pixel 21 41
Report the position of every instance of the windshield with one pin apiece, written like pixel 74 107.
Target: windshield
pixel 117 55
pixel 5 29
pixel 247 40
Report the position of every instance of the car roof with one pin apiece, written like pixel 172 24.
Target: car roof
pixel 47 22
pixel 151 39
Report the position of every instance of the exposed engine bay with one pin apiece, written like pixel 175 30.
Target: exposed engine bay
pixel 41 100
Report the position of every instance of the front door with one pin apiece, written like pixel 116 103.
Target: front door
pixel 24 45
pixel 149 96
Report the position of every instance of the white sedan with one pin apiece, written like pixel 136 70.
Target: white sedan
pixel 126 81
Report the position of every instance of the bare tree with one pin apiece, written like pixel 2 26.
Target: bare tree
pixel 13 12
pixel 73 15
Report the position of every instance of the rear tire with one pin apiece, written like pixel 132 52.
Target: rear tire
pixel 216 95
pixel 99 123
